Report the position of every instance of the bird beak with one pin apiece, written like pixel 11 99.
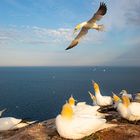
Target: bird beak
pixel 121 93
pixel 93 81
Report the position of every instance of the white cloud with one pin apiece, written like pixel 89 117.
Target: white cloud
pixel 26 35
pixel 121 14
pixel 54 35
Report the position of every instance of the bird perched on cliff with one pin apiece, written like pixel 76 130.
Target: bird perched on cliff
pixel 128 110
pixel 100 99
pixel 71 126
pixel 10 123
pixel 2 111
pixel 81 108
pixel 90 24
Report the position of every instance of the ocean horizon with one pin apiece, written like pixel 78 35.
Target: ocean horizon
pixel 38 92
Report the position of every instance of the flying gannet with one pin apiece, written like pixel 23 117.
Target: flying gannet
pixel 90 24
pixel 10 123
pixel 100 99
pixel 71 126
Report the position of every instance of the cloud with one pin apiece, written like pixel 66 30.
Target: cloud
pixel 34 35
pixel 60 34
pixel 38 36
pixel 7 36
pixel 133 13
pixel 122 14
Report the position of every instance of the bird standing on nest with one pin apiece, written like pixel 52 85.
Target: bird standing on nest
pixel 91 24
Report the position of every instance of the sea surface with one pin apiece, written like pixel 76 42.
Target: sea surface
pixel 38 93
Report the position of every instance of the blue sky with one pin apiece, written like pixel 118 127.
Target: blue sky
pixel 36 33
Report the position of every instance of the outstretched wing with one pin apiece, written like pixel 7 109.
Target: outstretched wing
pixel 100 13
pixel 82 33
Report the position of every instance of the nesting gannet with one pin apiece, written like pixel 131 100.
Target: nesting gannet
pixel 81 108
pixel 2 111
pixel 9 123
pixel 105 109
pixel 71 126
pixel 101 100
pixel 93 98
pixel 90 24
pixel 129 110
pixel 124 92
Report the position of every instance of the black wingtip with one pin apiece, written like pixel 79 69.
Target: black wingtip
pixel 68 48
pixel 73 44
pixel 103 7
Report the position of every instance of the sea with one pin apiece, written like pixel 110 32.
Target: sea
pixel 38 93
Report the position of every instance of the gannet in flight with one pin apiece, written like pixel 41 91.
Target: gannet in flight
pixel 90 24
pixel 71 126
pixel 100 99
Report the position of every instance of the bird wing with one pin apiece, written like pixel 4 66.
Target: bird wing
pixel 134 108
pixel 107 100
pixel 99 14
pixel 8 123
pixel 87 125
pixel 82 33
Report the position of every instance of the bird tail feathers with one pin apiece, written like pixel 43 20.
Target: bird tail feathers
pixel 101 27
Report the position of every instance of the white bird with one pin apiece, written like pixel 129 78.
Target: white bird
pixel 2 111
pixel 71 126
pixel 10 123
pixel 101 100
pixel 93 98
pixel 129 110
pixel 90 24
pixel 124 92
pixel 81 108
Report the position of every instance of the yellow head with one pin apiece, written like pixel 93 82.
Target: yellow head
pixel 125 100
pixel 67 111
pixel 71 101
pixel 116 98
pixel 96 87
pixel 78 27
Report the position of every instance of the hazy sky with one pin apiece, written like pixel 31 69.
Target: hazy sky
pixel 36 33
